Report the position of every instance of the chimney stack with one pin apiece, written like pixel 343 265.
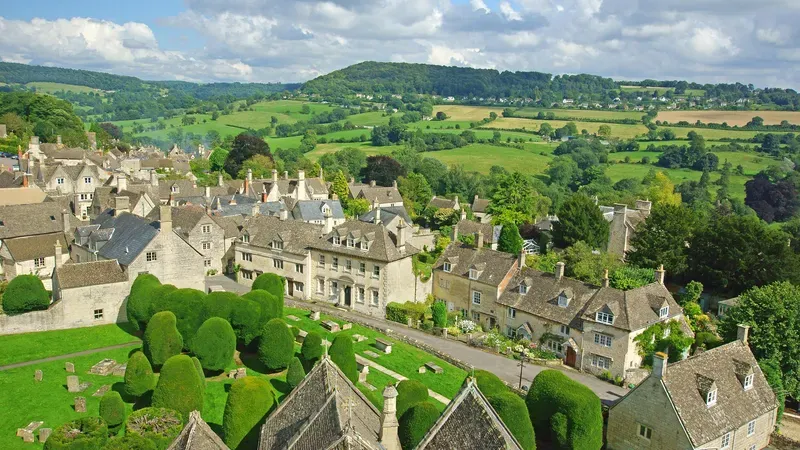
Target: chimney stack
pixel 285 174
pixel 479 240
pixel 644 206
pixel 328 222
pixel 377 218
pixel 742 333
pixel 284 213
pixel 220 180
pixel 455 233
pixel 301 185
pixel 605 278
pixel 394 184
pixel 660 273
pixel 372 183
pixel 153 178
pixel 122 182
pixel 463 214
pixel 65 220
pixel 559 271
pixel 521 259
pixel 402 229
pixel 263 197
pixel 660 365
pixel 255 210
pixel 389 438
pixel 121 205
pixel 274 176
pixel 208 193
pixel 320 174
pixel 25 180
pixel 166 218
pixel 57 254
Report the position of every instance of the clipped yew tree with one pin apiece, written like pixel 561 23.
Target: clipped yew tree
pixel 82 434
pixel 139 305
pixel 158 425
pixel 311 350
pixel 439 312
pixel 511 408
pixel 246 320
pixel 295 374
pixel 139 378
pixel 25 293
pixel 112 411
pixel 220 304
pixel 271 306
pixel 161 338
pixel 189 308
pixel 199 367
pixel 214 344
pixel 409 394
pixel 415 423
pixel 272 283
pixel 276 345
pixel 130 442
pixel 489 383
pixel 249 401
pixel 344 356
pixel 179 386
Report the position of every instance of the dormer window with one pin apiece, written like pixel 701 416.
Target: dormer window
pixel 174 189
pixel 87 180
pixel 473 274
pixel 711 398
pixel 604 317
pixel 277 245
pixel 337 240
pixel 748 382
pixel 663 312
pixel 523 288
pixel 563 300
pixel 351 242
pixel 447 267
pixel 364 245
pixel 246 238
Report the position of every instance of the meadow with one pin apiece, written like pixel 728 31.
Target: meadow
pixel 596 114
pixel 732 118
pixel 49 88
pixel 619 131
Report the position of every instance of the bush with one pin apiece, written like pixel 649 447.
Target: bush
pixel 189 308
pixel 112 410
pixel 276 345
pixel 158 296
pixel 139 378
pixel 772 372
pixel 553 395
pixel 246 320
pixel 270 305
pixel 130 442
pixel 426 325
pixel 138 308
pixel 179 386
pixel 401 312
pixel 249 401
pixel 158 425
pixel 514 413
pixel 295 374
pixel 311 350
pixel 25 293
pixel 415 423
pixel 199 367
pixel 220 304
pixel 162 339
pixel 489 383
pixel 409 394
pixel 86 433
pixel 214 344
pixel 344 356
pixel 439 310
pixel 274 284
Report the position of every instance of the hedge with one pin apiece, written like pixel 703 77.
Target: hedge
pixel 112 411
pixel 199 367
pixel 25 293
pixel 344 356
pixel 295 374
pixel 415 423
pixel 272 283
pixel 311 350
pixel 401 312
pixel 409 394
pixel 130 442
pixel 139 378
pixel 189 307
pixel 489 383
pixel 246 320
pixel 179 386
pixel 86 433
pixel 220 304
pixel 270 305
pixel 139 305
pixel 512 409
pixel 771 369
pixel 214 344
pixel 276 345
pixel 161 338
pixel 249 401
pixel 439 310
pixel 158 425
pixel 158 296
pixel 565 412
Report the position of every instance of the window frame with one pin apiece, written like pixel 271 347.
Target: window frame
pixel 299 268
pixel 726 441
pixel 564 329
pixel 645 432
pixel 59 181
pixel 335 263
pixel 663 313
pixel 601 362
pixel 151 256
pixel 247 257
pixel 375 299
pixel 98 314
pixel 206 228
pixel 361 295
pixel 748 381
pixel 511 313
pixel 711 398
pixel 376 271
pixel 206 245
pixel 39 263
pixel 473 274
pixel 337 241
pixel 751 428
pixel 478 303
pixel 87 180
pixel 362 268
pixel 447 267
pixel 608 316
pixel 603 340
pixel 277 263
pixel 207 263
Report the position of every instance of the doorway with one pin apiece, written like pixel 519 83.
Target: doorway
pixel 572 356
pixel 290 287
pixel 348 291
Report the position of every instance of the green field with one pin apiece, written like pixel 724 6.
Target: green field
pixel 49 88
pixel 582 113
pixel 619 131
pixel 664 90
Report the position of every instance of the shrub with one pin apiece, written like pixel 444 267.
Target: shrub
pixel 189 308
pixel 246 320
pixel 158 296
pixel 112 410
pixel 553 395
pixel 214 344
pixel 130 442
pixel 139 377
pixel 86 433
pixel 249 401
pixel 409 394
pixel 138 307
pixel 514 413
pixel 439 310
pixel 401 312
pixel 179 386
pixel 161 338
pixel 220 304
pixel 25 293
pixel 274 284
pixel 276 345
pixel 199 367
pixel 415 423
pixel 772 372
pixel 489 383
pixel 426 325
pixel 158 425
pixel 295 374
pixel 311 350
pixel 270 305
pixel 343 355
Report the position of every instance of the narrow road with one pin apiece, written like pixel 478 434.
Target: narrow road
pixel 506 369
pixel 68 355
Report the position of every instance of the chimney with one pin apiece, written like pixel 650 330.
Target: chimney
pixel 25 180
pixel 394 184
pixel 463 214
pixel 285 174
pixel 402 229
pixel 377 218
pixel 121 205
pixel 742 333
pixel 521 259
pixel 220 180
pixel 455 233
pixel 171 200
pixel 58 140
pixel 255 210
pixel 644 206
pixel 274 176
pixel 301 185
pixel 263 197
pixel 388 435
pixel 660 365
pixel 620 210
pixel 559 271
pixel 284 214
pixel 232 201
pixel 605 278
pixel 166 218
pixel 122 182
pixel 153 178
pixel 19 153
pixel 208 192
pixel 320 174
pixel 660 275
pixel 476 198
pixel 479 239
pixel 328 222
pixel 372 183
pixel 65 221
pixel 57 253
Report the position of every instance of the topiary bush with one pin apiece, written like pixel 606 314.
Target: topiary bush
pixel 246 320
pixel 276 345
pixel 489 383
pixel 274 284
pixel 344 356
pixel 25 293
pixel 112 411
pixel 139 305
pixel 511 408
pixel 249 401
pixel 199 367
pixel 439 310
pixel 159 296
pixel 86 433
pixel 295 374
pixel 270 305
pixel 130 442
pixel 179 386
pixel 311 350
pixel 415 423
pixel 409 394
pixel 161 338
pixel 158 425
pixel 214 344
pixel 220 304
pixel 139 378
pixel 565 412
pixel 189 308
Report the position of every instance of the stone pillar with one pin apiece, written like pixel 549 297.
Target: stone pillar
pixel 389 424
pixel 44 433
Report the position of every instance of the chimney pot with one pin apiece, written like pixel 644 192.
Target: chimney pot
pixel 402 230
pixel 328 227
pixel 394 184
pixel 220 180
pixel 122 182
pixel 559 271
pixel 274 175
pixel 660 365
pixel 479 240
pixel 605 278
pixel 742 333
pixel 372 183
pixel 660 275
pixel 521 259
pixel 285 174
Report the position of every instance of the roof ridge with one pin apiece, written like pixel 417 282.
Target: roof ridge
pixel 713 350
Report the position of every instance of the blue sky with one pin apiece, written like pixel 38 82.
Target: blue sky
pixel 295 40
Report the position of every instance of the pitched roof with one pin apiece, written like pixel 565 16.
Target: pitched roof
pixel 492 265
pixel 93 273
pixel 441 202
pixel 480 205
pixel 382 243
pixel 26 248
pixel 121 237
pixel 184 218
pixel 21 195
pixel 312 209
pixel 29 220
pixel 197 435
pixel 491 233
pixel 382 194
pixel 388 213
pixel 105 196
pixel 469 422
pixel 297 236
pixel 635 309
pixel 735 406
pixel 9 179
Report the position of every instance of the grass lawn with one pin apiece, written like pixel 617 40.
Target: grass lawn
pixel 621 170
pixel 617 130
pixel 481 158
pixel 582 113
pixel 48 87
pixel 32 346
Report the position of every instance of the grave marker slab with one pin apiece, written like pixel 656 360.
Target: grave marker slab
pixel 347 326
pixel 314 315
pixel 371 354
pixel 69 367
pixel 38 375
pixel 331 326
pixel 80 404
pixel 383 345
pixel 44 433
pixel 433 367
pixel 293 318
pixel 102 391
pixel 119 371
pixel 73 383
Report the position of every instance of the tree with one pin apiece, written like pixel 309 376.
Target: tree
pixel 276 345
pixel 270 306
pixel 409 394
pixel 179 386
pixel 514 199
pixel 245 146
pixel 249 401
pixel 382 169
pixel 139 306
pixel 579 219
pixel 260 165
pixel 161 339
pixel 662 191
pixel 340 187
pixel 440 115
pixel 158 425
pixel 512 409
pixel 357 207
pixel 311 350
pixel 139 378
pixel 130 442
pixel 217 159
pixel 510 241
pixel 662 238
pixel 246 320
pixel 545 129
pixel 489 383
pixel 583 263
pixel 214 344
pixel 416 192
pixel 415 423
pixel 274 284
pixel 295 373
pixel 80 434
pixel 189 307
pixel 771 369
pixel 199 368
pixel 626 278
pixel 771 201
pixel 344 356
pixel 604 131
pixel 25 293
pixel 112 411
pixel 439 312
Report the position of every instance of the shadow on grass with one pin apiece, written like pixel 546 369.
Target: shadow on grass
pixel 130 329
pixel 216 428
pixel 119 387
pixel 251 361
pixel 144 401
pixel 280 386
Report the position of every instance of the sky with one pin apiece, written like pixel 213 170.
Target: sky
pixel 296 40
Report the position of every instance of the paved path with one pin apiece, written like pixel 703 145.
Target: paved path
pixel 505 368
pixel 361 360
pixel 68 355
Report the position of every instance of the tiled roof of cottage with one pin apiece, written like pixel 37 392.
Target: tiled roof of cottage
pixel 27 248
pixel 230 224
pixel 469 423
pixel 93 273
pixel 189 188
pixel 197 435
pixel 21 195
pixel 492 265
pixel 297 236
pixel 72 172
pixel 53 152
pixel 321 410
pixel 735 406
pixel 634 309
pixel 480 205
pixel 382 194
pixel 105 197
pixel 382 243
pixel 491 233
pixel 388 213
pixel 32 219
pixel 9 179
pixel 184 218
pixel 123 237
pixel 312 209
pixel 441 202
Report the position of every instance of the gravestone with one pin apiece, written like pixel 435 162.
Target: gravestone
pixel 363 371
pixel 314 315
pixel 73 383
pixel 292 318
pixel 44 433
pixel 409 322
pixel 422 369
pixel 119 370
pixel 27 433
pixel 80 404
pixel 70 367
pixel 102 391
pixel 371 354
pixel 444 333
pixel 331 326
pixel 347 326
pixel 384 345
pixel 104 367
pixel 433 367
pixel 38 375
pixel 232 374
pixel 301 336
pixel 240 373
pixel 359 338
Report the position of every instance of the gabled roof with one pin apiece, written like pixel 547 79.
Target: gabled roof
pixel 388 213
pixel 130 235
pixel 480 205
pixel 637 308
pixel 495 265
pixel 93 273
pixel 382 194
pixel 491 233
pixel 298 235
pixel 31 219
pixel 26 248
pixel 312 209
pixel 197 435
pixel 382 243
pixel 441 202
pixel 184 218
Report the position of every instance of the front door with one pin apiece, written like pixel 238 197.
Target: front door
pixel 290 287
pixel 492 323
pixel 571 357
pixel 347 295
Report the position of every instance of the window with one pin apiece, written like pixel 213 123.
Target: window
pixel 362 268
pixel 322 261
pixel 207 263
pixel 246 274
pixel 337 240
pixel 151 256
pixel 605 318
pixel 335 263
pixel 38 263
pixel 298 286
pixel 602 339
pixel 751 428
pixel 364 245
pixel 376 271
pixel 726 441
pixel 59 181
pixel 173 189
pixel 335 287
pixel 206 229
pixel 277 245
pixel 523 288
pixel 444 284
pixel 476 316
pixel 473 274
pixel 348 265
pixel 351 242
pixel 564 330
pixel 512 313
pixel 645 432
pixel 511 332
pixel 361 295
pixel 748 382
pixel 86 196
pixel 447 267
pixel 298 268
pixel 246 238
pixel 563 300
pixel 206 245
pixel 87 180
pixel 476 298
pixel 247 257
pixel 320 286
pixel 557 347
pixel 663 312
pixel 277 263
pixel 375 298
pixel 601 362
pixel 711 398
pixel 98 314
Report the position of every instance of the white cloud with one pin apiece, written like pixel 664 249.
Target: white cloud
pixel 521 39
pixel 711 42
pixel 479 5
pixel 770 36
pixel 508 11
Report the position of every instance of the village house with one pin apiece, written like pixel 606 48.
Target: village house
pixel 623 223
pixel 139 200
pixel 383 196
pixel 718 399
pixel 466 227
pixel 480 209
pixel 17 189
pixel 87 294
pixel 391 217
pixel 442 203
pixel 195 226
pixel 77 182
